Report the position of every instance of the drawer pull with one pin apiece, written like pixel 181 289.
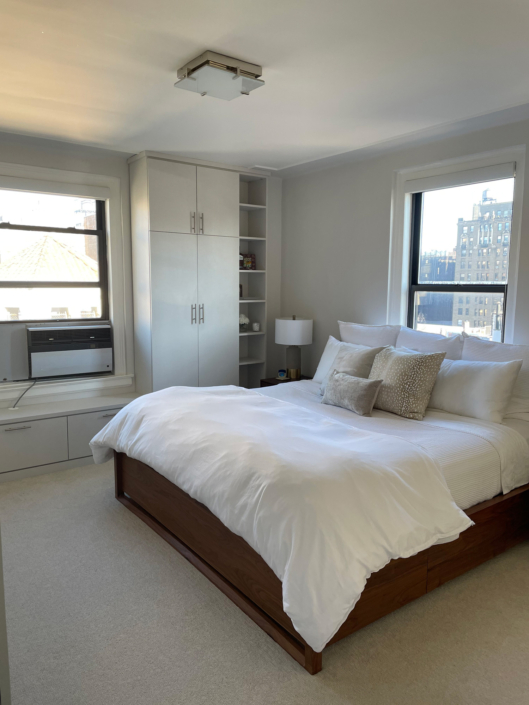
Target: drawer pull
pixel 107 416
pixel 19 428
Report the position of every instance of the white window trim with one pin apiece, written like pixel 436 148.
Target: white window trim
pixel 400 228
pixel 46 180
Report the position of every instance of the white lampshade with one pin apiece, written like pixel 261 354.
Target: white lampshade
pixel 290 331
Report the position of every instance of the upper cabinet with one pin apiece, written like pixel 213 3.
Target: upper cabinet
pixel 172 196
pixel 217 202
pixel 184 198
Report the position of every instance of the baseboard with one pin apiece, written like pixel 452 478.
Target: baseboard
pixel 44 469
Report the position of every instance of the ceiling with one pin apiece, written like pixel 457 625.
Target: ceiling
pixel 340 75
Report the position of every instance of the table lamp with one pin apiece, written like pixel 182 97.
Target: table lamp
pixel 293 332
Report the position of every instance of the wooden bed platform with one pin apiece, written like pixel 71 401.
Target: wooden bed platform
pixel 236 569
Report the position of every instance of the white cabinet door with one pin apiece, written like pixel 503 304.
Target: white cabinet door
pixel 218 202
pixel 218 299
pixel 83 427
pixel 174 301
pixel 32 443
pixel 172 196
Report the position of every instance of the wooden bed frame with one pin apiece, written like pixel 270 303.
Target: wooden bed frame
pixel 236 569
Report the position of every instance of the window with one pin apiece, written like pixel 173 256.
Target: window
pixel 53 263
pixel 439 219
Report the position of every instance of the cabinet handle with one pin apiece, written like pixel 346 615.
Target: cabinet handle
pixel 19 428
pixel 201 313
pixel 193 221
pixel 107 416
pixel 202 223
pixel 193 313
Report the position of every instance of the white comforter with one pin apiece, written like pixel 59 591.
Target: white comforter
pixel 324 504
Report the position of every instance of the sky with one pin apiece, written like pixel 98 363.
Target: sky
pixel 442 208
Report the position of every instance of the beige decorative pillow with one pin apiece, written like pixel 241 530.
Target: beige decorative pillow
pixel 353 393
pixel 354 360
pixel 408 380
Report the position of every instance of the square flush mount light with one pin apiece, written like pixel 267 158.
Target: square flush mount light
pixel 219 76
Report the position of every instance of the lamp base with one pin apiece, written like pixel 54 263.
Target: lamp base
pixel 294 374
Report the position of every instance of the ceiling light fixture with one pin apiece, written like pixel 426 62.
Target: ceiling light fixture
pixel 219 76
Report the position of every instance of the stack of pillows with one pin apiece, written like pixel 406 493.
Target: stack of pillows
pixel 405 372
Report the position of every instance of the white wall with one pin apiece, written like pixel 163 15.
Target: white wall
pixel 336 229
pixel 31 151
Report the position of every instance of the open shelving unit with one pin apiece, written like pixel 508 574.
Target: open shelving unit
pixel 252 239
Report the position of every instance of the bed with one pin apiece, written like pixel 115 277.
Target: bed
pixel 482 467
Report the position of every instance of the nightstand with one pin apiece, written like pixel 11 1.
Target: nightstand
pixel 271 381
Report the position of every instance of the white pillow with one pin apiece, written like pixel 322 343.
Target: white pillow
pixel 328 357
pixel 370 336
pixel 430 342
pixel 476 349
pixel 481 390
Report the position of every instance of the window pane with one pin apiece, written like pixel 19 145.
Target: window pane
pixel 43 304
pixel 58 257
pixel 436 312
pixel 460 225
pixel 26 208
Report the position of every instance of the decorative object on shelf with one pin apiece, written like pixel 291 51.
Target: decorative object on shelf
pixel 247 261
pixel 256 326
pixel 240 292
pixel 243 323
pixel 293 332
pixel 282 374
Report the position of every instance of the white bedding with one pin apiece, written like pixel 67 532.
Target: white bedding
pixel 479 459
pixel 325 504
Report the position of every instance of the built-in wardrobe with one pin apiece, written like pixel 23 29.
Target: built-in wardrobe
pixel 185 239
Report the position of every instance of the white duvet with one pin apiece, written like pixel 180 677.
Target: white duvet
pixel 324 504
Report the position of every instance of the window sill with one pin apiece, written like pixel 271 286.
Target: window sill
pixel 51 388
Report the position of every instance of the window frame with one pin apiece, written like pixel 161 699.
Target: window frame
pixel 103 283
pixel 458 289
pixel 457 171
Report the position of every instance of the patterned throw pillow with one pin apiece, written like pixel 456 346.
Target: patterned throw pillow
pixel 407 381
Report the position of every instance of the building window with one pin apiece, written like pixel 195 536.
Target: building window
pixel 440 219
pixel 53 261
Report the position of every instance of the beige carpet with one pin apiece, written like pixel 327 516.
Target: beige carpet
pixel 101 611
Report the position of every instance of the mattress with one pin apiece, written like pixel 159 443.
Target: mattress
pixel 478 459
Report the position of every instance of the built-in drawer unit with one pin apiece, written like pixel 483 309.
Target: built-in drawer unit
pixel 83 427
pixel 31 443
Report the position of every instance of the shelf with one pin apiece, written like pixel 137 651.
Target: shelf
pixel 243 237
pixel 251 332
pixel 252 271
pixel 250 361
pixel 252 301
pixel 251 207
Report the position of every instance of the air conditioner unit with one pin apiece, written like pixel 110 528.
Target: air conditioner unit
pixel 64 351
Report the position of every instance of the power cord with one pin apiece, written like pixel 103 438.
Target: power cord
pixel 14 407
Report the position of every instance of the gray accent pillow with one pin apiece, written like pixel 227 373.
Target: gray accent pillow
pixel 408 381
pixel 353 393
pixel 353 360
